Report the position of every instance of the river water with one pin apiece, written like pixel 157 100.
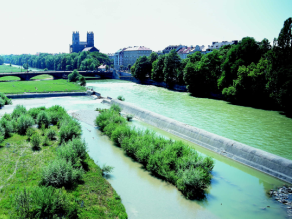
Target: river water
pixel 263 129
pixel 237 191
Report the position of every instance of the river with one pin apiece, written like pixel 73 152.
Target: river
pixel 237 191
pixel 263 129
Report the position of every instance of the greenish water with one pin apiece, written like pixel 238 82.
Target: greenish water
pixel 263 129
pixel 237 191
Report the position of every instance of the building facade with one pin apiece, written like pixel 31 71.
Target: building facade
pixel 128 56
pixel 78 46
pixel 218 45
pixel 171 47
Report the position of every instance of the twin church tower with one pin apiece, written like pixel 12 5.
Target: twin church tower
pixel 78 46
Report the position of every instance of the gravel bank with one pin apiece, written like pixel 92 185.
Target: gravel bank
pixel 87 116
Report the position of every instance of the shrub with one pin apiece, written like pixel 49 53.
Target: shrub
pixel 7 126
pixel 46 141
pixel 18 111
pixel 60 173
pixel 2 133
pixel 106 169
pixel 2 102
pixel 35 141
pixel 44 202
pixel 82 81
pixel 116 108
pixel 7 117
pixel 35 111
pixel 73 151
pixel 74 76
pixel 43 119
pixel 23 122
pixel 121 98
pixel 45 69
pixel 43 129
pixel 6 100
pixel 129 117
pixel 56 113
pixel 30 132
pixel 51 133
pixel 69 128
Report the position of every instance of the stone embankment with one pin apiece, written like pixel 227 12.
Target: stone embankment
pixel 284 196
pixel 42 95
pixel 268 163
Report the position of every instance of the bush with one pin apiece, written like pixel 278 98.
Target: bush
pixel 51 133
pixel 45 69
pixel 6 100
pixel 2 133
pixel 35 141
pixel 73 151
pixel 46 141
pixel 43 119
pixel 23 123
pixel 30 132
pixel 106 169
pixel 44 202
pixel 69 128
pixel 60 173
pixel 82 81
pixel 129 117
pixel 56 113
pixel 2 102
pixel 18 111
pixel 116 108
pixel 7 126
pixel 35 111
pixel 170 160
pixel 121 98
pixel 74 76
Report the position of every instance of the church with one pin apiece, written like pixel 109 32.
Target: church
pixel 78 46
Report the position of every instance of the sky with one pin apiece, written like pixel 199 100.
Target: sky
pixel 30 26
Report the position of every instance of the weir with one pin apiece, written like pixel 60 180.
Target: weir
pixel 268 163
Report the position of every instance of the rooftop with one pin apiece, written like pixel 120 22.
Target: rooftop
pixel 136 48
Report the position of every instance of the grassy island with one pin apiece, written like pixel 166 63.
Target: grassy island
pixel 46 171
pixel 169 160
pixel 60 85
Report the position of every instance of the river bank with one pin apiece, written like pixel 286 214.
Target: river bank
pixel 241 190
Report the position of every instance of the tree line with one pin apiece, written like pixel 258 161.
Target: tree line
pixel 60 62
pixel 250 73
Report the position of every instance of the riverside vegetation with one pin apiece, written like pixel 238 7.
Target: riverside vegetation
pixel 250 73
pixel 170 160
pixel 4 100
pixel 46 171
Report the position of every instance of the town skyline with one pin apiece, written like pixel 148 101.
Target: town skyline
pixel 155 25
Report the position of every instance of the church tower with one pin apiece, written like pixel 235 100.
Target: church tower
pixel 75 42
pixel 90 39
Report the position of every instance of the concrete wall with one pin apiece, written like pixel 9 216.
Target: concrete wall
pixel 271 164
pixel 40 95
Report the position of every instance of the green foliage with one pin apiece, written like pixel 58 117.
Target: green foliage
pixel 170 160
pixel 1 60
pixel 56 113
pixel 106 169
pixel 4 100
pixel 35 141
pixel 141 68
pixel 61 173
pixel 30 132
pixel 33 112
pixel 69 129
pixel 46 141
pixel 23 123
pixel 74 76
pixel 7 126
pixel 18 111
pixel 121 98
pixel 43 118
pixel 51 133
pixel 74 151
pixel 82 81
pixel 157 69
pixel 153 57
pixel 44 202
pixel 129 117
pixel 172 66
pixel 2 133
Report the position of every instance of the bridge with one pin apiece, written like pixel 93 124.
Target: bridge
pixel 25 76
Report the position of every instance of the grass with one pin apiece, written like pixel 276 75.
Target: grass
pixel 8 69
pixel 21 167
pixel 60 85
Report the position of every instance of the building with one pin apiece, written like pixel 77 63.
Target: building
pixel 111 56
pixel 171 47
pixel 218 45
pixel 102 68
pixel 78 46
pixel 184 52
pixel 128 56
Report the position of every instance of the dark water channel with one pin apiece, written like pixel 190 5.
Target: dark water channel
pixel 237 191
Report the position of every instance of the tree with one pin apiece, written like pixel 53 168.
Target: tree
pixel 106 67
pixel 157 69
pixel 153 56
pixel 74 76
pixel 129 67
pixel 244 53
pixel 121 67
pixel 82 81
pixel 142 67
pixel 172 65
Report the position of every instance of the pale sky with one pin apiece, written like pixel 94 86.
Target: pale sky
pixel 30 26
